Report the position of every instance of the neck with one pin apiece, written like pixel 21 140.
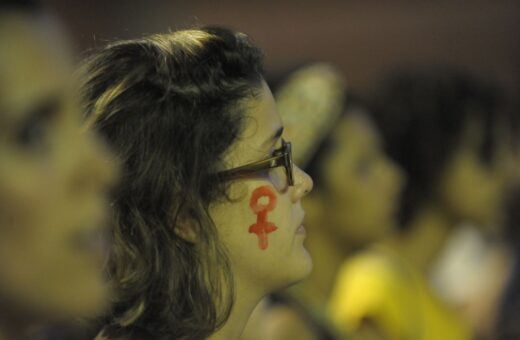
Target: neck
pixel 247 297
pixel 327 251
pixel 424 237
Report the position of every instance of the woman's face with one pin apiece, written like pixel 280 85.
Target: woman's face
pixel 361 185
pixel 472 189
pixel 53 181
pixel 263 228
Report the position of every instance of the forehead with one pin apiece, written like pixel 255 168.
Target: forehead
pixel 262 122
pixel 263 109
pixel 30 68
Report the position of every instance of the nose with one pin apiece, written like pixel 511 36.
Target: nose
pixel 302 186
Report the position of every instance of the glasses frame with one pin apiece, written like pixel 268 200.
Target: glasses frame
pixel 283 157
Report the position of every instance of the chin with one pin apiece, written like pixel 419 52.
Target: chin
pixel 299 268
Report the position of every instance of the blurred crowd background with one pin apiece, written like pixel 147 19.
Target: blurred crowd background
pixel 362 38
pixel 406 116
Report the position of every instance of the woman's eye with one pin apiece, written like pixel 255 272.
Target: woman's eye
pixel 34 131
pixel 32 134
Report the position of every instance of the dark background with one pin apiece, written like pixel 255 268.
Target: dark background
pixel 364 38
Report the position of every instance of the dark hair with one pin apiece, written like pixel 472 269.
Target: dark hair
pixel 422 115
pixel 170 107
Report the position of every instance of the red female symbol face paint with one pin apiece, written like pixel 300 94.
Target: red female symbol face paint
pixel 262 227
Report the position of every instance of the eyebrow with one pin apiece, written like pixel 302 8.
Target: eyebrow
pixel 274 137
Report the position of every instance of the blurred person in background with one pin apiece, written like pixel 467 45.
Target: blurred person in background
pixel 508 325
pixel 446 130
pixel 53 181
pixel 208 215
pixel 354 201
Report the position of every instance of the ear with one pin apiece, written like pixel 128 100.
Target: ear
pixel 185 229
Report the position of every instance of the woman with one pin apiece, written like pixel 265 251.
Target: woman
pixel 445 129
pixel 353 202
pixel 208 216
pixel 53 182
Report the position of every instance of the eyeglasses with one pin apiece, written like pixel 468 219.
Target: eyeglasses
pixel 282 157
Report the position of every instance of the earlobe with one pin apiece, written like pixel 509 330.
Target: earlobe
pixel 186 231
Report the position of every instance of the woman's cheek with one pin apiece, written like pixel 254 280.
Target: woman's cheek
pixel 263 200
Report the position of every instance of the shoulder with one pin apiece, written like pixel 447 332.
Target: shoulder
pixel 369 284
pixel 370 268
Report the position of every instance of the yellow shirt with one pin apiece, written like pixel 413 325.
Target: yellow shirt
pixel 379 285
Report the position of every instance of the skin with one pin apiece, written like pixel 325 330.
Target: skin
pixel 53 184
pixel 285 261
pixel 262 227
pixel 358 206
pixel 362 184
pixel 482 203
